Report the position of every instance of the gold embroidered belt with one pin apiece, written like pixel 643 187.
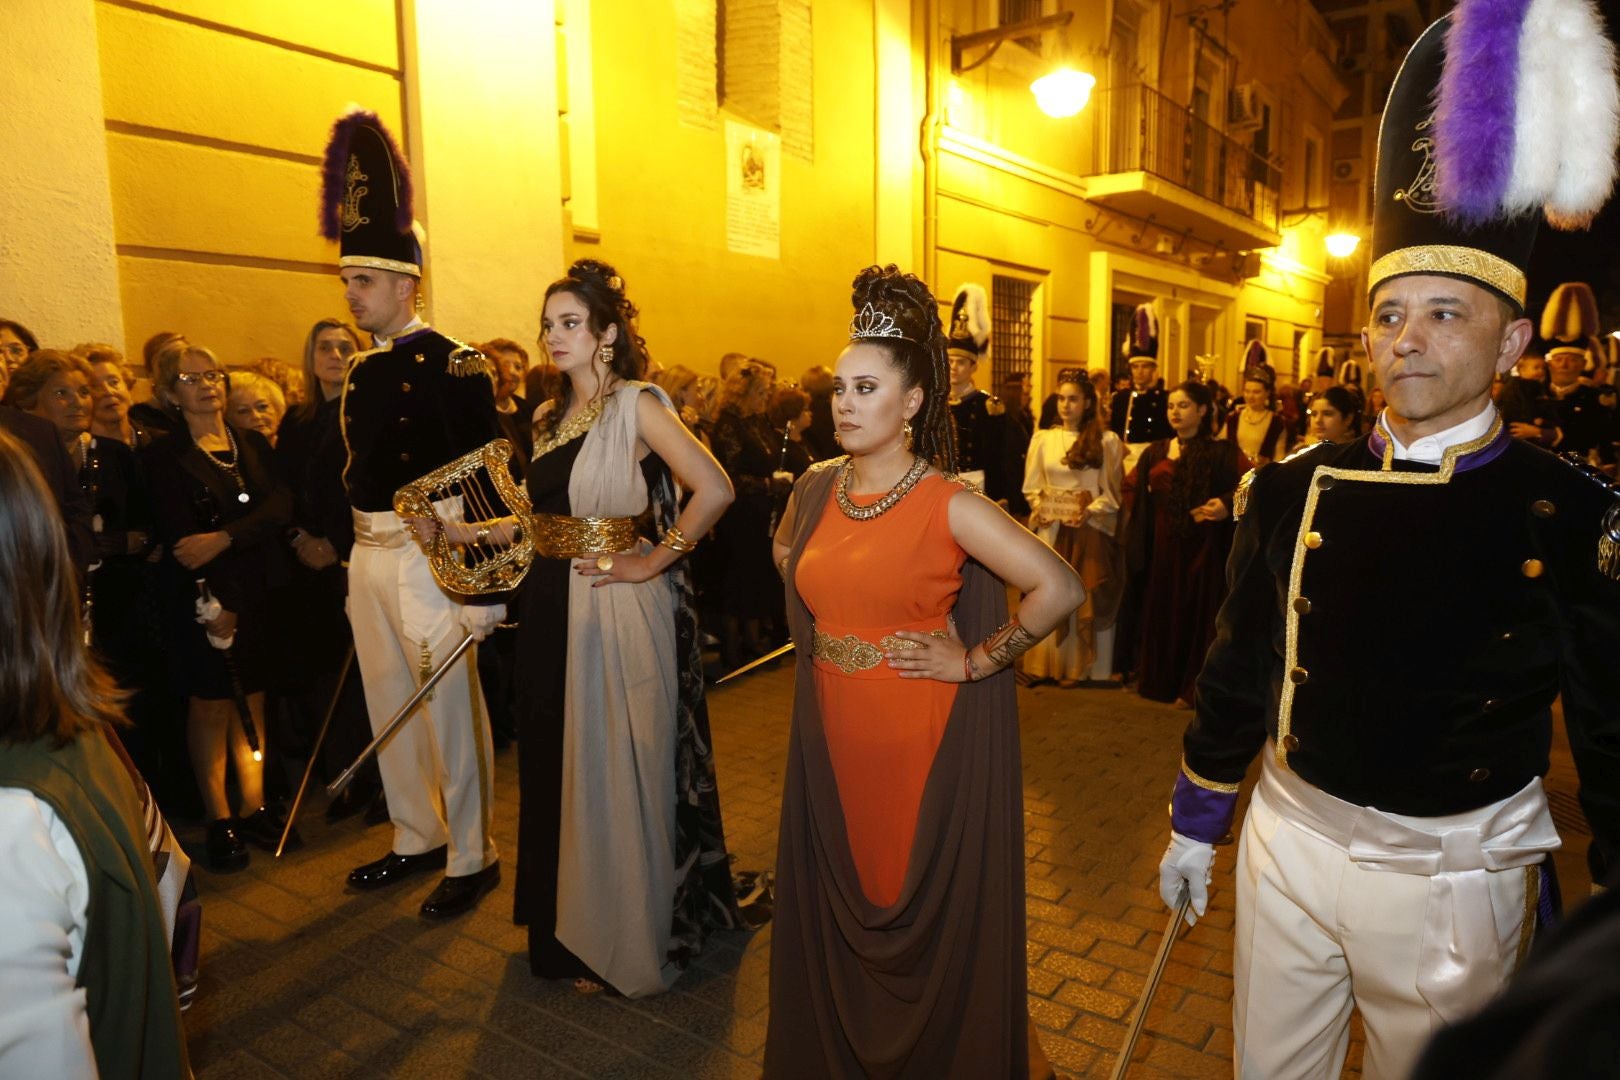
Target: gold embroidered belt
pixel 557 536
pixel 850 654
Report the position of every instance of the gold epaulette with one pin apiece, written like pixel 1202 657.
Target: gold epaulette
pixel 1240 497
pixel 467 360
pixel 830 463
pixel 995 406
pixel 1608 545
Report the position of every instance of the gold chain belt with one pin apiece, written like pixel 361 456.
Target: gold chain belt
pixel 850 653
pixel 557 536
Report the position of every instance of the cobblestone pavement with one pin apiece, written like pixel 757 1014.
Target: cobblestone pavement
pixel 304 979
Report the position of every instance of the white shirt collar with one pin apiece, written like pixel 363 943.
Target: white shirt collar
pixel 380 342
pixel 1431 449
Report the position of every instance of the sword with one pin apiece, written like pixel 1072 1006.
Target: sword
pixel 1123 1063
pixel 752 664
pixel 315 751
pixel 401 716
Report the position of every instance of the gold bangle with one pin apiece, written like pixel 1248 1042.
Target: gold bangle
pixel 676 541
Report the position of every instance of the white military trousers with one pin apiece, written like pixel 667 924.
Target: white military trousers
pixel 438 769
pixel 1415 921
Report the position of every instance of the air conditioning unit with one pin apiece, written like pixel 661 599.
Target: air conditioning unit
pixel 1348 170
pixel 1243 110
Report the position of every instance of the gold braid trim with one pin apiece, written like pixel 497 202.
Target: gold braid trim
pixel 1240 497
pixel 467 361
pixel 1207 785
pixel 1455 260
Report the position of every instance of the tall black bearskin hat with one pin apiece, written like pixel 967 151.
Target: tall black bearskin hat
pixel 1143 341
pixel 970 322
pixel 366 198
pixel 1257 363
pixel 1324 362
pixel 1504 112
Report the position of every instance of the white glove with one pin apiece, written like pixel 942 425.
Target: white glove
pixel 209 609
pixel 480 620
pixel 1186 860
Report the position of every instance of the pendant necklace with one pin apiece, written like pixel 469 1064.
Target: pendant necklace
pixel 919 466
pixel 231 468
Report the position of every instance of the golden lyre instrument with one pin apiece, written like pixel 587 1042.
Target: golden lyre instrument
pixel 476 487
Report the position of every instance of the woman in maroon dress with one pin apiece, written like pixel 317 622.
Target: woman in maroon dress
pixel 1180 495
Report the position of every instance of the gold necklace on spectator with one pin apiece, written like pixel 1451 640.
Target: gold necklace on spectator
pixel 919 466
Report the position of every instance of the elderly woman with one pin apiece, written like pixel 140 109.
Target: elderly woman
pixel 256 403
pixel 16 342
pixel 86 985
pixel 221 508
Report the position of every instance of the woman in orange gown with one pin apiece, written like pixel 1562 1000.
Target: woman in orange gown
pixel 898 947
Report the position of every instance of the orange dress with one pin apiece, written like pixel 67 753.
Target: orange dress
pixel 863 580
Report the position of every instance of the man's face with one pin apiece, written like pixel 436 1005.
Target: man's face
pixel 1533 368
pixel 1143 372
pixel 1566 367
pixel 962 368
pixel 379 300
pixel 1437 343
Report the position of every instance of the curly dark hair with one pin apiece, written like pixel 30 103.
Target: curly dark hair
pixel 598 286
pixel 1194 477
pixel 919 355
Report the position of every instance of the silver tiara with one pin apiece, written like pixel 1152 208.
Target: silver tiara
pixel 872 323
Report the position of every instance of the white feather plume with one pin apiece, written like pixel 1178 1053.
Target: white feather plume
pixel 1566 114
pixel 973 302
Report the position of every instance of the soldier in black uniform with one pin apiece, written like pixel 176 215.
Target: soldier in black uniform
pixel 985 452
pixel 1583 420
pixel 1403 613
pixel 1138 415
pixel 414 402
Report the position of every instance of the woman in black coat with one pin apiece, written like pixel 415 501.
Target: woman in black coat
pixel 220 508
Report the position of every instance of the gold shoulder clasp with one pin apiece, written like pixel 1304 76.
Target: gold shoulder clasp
pixel 468 361
pixel 830 463
pixel 1240 497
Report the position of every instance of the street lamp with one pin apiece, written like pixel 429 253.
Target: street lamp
pixel 1341 245
pixel 1059 93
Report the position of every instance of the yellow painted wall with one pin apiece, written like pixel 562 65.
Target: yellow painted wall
pixel 217 113
pixel 661 192
pixel 58 271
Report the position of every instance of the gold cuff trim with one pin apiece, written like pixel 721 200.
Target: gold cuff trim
pixel 1532 900
pixel 373 263
pixel 1207 785
pixel 850 654
pixel 557 536
pixel 1481 266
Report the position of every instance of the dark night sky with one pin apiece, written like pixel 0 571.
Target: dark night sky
pixel 1592 256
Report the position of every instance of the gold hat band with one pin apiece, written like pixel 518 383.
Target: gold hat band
pixel 373 263
pixel 1467 262
pixel 557 536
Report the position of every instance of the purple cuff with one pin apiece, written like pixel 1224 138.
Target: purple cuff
pixel 1199 813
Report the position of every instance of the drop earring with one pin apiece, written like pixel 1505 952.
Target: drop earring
pixel 906 428
pixel 606 353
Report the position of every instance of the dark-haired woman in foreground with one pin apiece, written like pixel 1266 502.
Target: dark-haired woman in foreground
pixel 898 948
pixel 1180 494
pixel 622 866
pixel 86 985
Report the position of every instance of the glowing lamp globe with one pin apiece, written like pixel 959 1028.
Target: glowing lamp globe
pixel 1341 245
pixel 1062 93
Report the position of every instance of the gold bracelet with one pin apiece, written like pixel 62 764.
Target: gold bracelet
pixel 677 542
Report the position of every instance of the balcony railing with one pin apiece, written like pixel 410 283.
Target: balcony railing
pixel 1138 129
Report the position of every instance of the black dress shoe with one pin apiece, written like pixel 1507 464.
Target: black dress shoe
pixel 391 868
pixel 225 849
pixel 262 829
pixel 458 894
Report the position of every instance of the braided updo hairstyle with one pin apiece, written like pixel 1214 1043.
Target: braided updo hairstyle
pixel 919 356
pixel 600 289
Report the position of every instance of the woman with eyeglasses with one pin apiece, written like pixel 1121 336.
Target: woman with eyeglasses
pixel 221 509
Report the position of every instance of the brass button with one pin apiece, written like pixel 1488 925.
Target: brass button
pixel 1324 482
pixel 1290 742
pixel 1491 705
pixel 1531 568
pixel 404 457
pixel 1479 775
pixel 1313 540
pixel 1300 676
pixel 420 359
pixel 1509 636
pixel 405 386
pixel 1302 605
pixel 352 387
pixel 404 420
pixel 1543 508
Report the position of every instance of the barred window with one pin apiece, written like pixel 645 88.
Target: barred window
pixel 1012 332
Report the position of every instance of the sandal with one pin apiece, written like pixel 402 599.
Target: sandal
pixel 588 987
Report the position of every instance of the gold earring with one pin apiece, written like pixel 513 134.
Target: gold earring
pixel 606 352
pixel 906 427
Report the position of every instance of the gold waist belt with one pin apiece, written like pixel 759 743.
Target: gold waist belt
pixel 557 536
pixel 850 653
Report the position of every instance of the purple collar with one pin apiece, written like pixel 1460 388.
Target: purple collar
pixel 1460 458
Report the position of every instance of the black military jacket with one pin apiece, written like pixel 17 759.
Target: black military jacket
pixel 408 409
pixel 982 442
pixel 1400 632
pixel 1584 420
pixel 1148 412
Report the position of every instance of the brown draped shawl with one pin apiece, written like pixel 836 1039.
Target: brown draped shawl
pixel 935 985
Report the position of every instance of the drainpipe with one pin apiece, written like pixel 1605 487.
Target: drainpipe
pixel 929 136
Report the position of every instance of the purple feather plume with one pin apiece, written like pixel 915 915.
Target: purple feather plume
pixel 1474 108
pixel 1141 331
pixel 334 184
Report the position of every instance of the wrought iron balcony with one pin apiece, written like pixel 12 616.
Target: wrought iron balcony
pixel 1137 133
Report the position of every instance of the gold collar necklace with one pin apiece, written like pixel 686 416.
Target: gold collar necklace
pixel 919 466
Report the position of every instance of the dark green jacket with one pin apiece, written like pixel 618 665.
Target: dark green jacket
pixel 125 968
